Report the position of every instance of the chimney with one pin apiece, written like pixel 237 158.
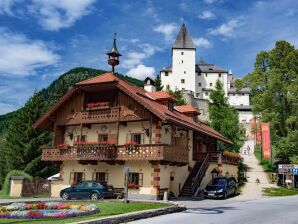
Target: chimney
pixel 149 85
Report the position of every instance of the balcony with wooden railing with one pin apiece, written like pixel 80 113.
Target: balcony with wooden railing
pixel 94 116
pixel 80 152
pixel 96 152
pixel 213 157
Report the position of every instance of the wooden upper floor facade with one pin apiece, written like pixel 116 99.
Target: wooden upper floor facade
pixel 107 119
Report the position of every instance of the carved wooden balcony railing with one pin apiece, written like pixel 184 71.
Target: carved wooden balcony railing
pixel 81 152
pixel 106 115
pixel 152 152
pixel 213 157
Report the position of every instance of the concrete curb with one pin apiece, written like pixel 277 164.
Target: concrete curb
pixel 133 216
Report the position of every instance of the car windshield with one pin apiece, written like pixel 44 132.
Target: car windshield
pixel 218 182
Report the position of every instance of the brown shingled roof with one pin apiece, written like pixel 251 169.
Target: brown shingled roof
pixel 148 100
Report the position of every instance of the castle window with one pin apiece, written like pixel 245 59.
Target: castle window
pixel 166 73
pixel 210 84
pixel 219 75
pixel 198 94
pixel 199 74
pixel 242 94
pixel 206 94
pixel 182 53
pixel 199 84
pixel 182 62
pixel 182 80
pixel 184 72
pixel 183 89
pixel 167 87
pixel 206 75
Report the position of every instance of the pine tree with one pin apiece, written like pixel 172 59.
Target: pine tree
pixel 158 83
pixel 178 95
pixel 224 119
pixel 22 143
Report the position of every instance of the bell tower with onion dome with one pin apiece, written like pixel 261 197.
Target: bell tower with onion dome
pixel 114 55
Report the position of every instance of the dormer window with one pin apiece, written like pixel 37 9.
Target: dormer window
pixel 170 106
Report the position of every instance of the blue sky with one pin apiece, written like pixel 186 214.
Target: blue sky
pixel 41 39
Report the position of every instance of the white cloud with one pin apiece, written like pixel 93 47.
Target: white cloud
pixel 57 14
pixel 6 6
pixel 201 42
pixel 141 71
pixel 207 14
pixel 226 29
pixel 168 30
pixel 21 56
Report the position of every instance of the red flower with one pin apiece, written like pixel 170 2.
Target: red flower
pixel 34 214
pixel 130 143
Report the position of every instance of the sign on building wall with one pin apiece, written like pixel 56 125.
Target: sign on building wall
pixel 266 144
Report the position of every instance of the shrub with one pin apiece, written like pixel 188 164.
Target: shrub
pixel 6 185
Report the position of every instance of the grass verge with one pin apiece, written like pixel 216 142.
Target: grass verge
pixel 280 191
pixel 106 209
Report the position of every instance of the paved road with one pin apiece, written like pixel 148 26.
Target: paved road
pixel 265 211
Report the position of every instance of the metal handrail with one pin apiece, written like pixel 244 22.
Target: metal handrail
pixel 202 170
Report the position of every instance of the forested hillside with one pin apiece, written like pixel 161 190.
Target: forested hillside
pixel 20 144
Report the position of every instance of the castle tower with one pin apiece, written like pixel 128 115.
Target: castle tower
pixel 183 61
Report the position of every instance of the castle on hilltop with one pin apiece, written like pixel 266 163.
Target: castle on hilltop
pixel 197 79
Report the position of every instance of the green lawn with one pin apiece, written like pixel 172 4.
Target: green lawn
pixel 106 209
pixel 273 191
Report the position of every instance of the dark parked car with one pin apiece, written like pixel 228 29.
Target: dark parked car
pixel 221 187
pixel 87 189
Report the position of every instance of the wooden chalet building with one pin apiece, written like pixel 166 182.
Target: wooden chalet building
pixel 105 124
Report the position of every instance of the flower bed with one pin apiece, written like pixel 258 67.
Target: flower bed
pixel 46 210
pixel 98 105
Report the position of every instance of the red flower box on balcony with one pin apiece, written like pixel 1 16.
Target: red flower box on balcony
pixel 98 105
pixel 63 145
pixel 127 144
pixel 95 143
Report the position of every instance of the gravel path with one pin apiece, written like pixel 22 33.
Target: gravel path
pixel 252 189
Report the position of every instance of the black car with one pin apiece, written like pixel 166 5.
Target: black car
pixel 87 189
pixel 221 187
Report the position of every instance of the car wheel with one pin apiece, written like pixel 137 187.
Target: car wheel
pixel 65 196
pixel 225 195
pixel 235 192
pixel 94 196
